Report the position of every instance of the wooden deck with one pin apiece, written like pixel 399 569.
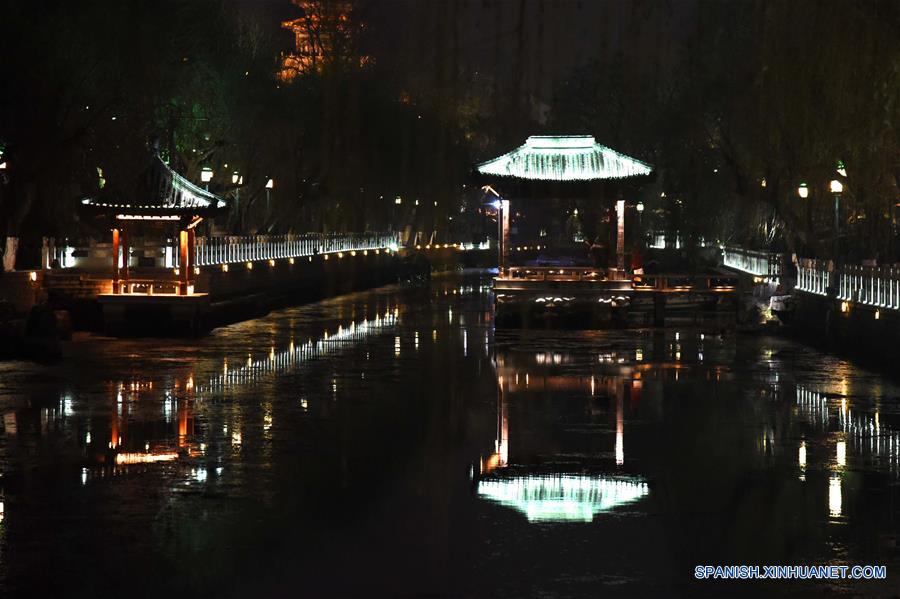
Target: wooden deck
pixel 600 297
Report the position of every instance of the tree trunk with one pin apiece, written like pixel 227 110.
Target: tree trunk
pixel 9 254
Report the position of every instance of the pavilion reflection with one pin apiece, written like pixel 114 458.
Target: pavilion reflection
pixel 153 420
pixel 537 475
pixel 561 497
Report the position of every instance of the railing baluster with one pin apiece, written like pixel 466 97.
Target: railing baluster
pixel 210 251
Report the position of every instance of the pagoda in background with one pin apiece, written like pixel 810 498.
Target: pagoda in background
pixel 326 33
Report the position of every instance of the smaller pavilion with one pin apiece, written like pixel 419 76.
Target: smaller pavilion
pixel 166 199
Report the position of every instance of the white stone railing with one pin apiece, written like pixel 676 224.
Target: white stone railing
pixel 876 286
pixel 813 277
pixel 758 263
pixel 248 248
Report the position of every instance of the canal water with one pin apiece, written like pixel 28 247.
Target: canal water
pixel 393 443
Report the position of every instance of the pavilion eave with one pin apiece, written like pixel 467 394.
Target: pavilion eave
pixel 563 159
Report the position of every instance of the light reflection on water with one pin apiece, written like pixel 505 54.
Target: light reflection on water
pixel 561 497
pixel 352 425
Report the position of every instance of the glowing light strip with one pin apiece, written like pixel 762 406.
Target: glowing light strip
pixel 146 217
pixel 195 194
pixel 145 458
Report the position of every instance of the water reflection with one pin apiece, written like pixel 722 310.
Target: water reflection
pixel 134 437
pixel 834 496
pixel 561 497
pixel 857 435
pixel 853 431
pixel 335 434
pixel 535 482
pixel 329 344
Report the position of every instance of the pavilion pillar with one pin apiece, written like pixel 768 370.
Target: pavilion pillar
pixel 503 428
pixel 183 262
pixel 126 252
pixel 503 235
pixel 115 260
pixel 192 242
pixel 620 237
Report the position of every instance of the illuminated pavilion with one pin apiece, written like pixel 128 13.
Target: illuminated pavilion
pixel 551 166
pixel 165 198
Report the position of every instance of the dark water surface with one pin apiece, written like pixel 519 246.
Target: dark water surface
pixel 391 443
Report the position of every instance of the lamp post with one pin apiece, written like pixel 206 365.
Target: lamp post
pixel 237 180
pixel 836 188
pixel 206 176
pixel 803 191
pixel 640 210
pixel 270 185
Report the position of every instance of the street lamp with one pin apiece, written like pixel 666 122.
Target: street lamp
pixel 640 210
pixel 803 191
pixel 206 176
pixel 237 179
pixel 836 188
pixel 270 185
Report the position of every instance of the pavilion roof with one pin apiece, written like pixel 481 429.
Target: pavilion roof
pixel 564 158
pixel 162 192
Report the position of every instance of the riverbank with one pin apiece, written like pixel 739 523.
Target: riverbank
pixel 868 335
pixel 48 306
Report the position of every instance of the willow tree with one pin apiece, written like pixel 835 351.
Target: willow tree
pixel 81 83
pixel 808 84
